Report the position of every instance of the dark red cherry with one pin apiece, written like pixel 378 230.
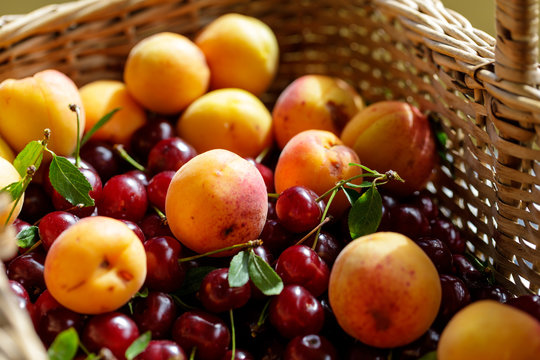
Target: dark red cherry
pixel 328 247
pixel 310 347
pixel 266 173
pixel 427 206
pixel 295 312
pixel 163 272
pixel 45 302
pixel 169 154
pixel 217 296
pixel 275 237
pixel 205 331
pixel 156 313
pixel 36 203
pixel 152 225
pixel 388 203
pixel 139 176
pixel 409 220
pixel 23 299
pixel 102 156
pixel 239 354
pixel 472 277
pixel 455 296
pixel 528 303
pixel 53 224
pixel 300 265
pixel 438 252
pixel 491 292
pixel 28 269
pixel 135 228
pixel 162 350
pixel 57 320
pixel 157 189
pixel 445 231
pixel 418 348
pixel 114 331
pixel 123 198
pixel 298 210
pixel 148 135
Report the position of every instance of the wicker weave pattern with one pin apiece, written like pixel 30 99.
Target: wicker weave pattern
pixel 483 94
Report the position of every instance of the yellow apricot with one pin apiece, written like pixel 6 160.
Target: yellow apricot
pixel 242 52
pixel 28 106
pixel 8 175
pixel 95 266
pixel 165 72
pixel 231 119
pixel 102 96
pixel 5 151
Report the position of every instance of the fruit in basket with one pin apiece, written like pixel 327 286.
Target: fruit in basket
pixel 384 290
pixel 394 135
pixel 231 119
pixel 487 329
pixel 8 175
pixel 95 266
pixel 101 97
pixel 217 199
pixel 242 52
pixel 165 72
pixel 5 151
pixel 28 106
pixel 317 159
pixel 314 102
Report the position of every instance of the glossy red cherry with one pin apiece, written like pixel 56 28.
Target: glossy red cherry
pixel 409 220
pixel 152 225
pixel 53 224
pixel 123 198
pixel 148 135
pixel 164 273
pixel 162 350
pixel 169 154
pixel 156 313
pixel 103 158
pixel 36 203
pixel 328 247
pixel 217 296
pixel 310 347
pixel 529 303
pixel 275 237
pixel 157 188
pixel 28 269
pixel 455 296
pixel 23 299
pixel 57 320
pixel 239 354
pixel 298 210
pixel 445 231
pixel 135 228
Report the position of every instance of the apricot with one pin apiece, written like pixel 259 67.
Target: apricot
pixel 384 290
pixel 314 102
pixel 242 52
pixel 9 175
pixel 28 106
pixel 230 119
pixel 317 159
pixel 5 151
pixel 101 97
pixel 488 330
pixel 165 72
pixel 393 135
pixel 215 200
pixel 95 266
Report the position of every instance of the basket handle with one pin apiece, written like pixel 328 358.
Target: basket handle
pixel 516 49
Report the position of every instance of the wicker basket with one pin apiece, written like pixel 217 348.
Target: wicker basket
pixel 483 92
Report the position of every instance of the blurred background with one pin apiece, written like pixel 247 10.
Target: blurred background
pixel 481 13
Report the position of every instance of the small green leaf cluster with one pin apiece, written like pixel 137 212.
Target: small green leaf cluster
pixel 247 265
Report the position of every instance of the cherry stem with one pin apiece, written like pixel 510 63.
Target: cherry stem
pixel 330 199
pixel 262 155
pixel 192 355
pixel 273 195
pixel 124 155
pixel 233 334
pixel 312 231
pixel 182 304
pixel 249 244
pixel 75 108
pixel 160 214
pixel 33 247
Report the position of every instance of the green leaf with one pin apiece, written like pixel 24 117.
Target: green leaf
pixel 68 180
pixel 27 237
pixel 15 189
pixel 65 346
pixel 238 269
pixel 138 346
pixel 351 194
pixel 105 119
pixel 429 356
pixel 193 280
pixel 364 184
pixel 366 213
pixel 32 154
pixel 263 276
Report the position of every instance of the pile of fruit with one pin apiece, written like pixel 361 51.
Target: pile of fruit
pixel 172 215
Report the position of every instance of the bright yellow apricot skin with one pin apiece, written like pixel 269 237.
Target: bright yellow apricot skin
pixel 28 106
pixel 165 72
pixel 215 200
pixel 8 175
pixel 384 290
pixel 101 97
pixel 242 52
pixel 489 330
pixel 95 266
pixel 5 151
pixel 230 119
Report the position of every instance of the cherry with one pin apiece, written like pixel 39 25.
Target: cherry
pixel 239 354
pixel 156 313
pixel 300 265
pixel 328 247
pixel 148 135
pixel 492 292
pixel 102 156
pixel 438 252
pixel 18 225
pixel 139 176
pixel 266 173
pixel 388 203
pixel 114 331
pixel 409 220
pixel 274 236
pixel 57 320
pixel 53 224
pixel 27 269
pixel 473 278
pixel 157 188
pixel 44 303
pixel 169 154
pixel 426 205
pixel 446 231
pixel 164 273
pixel 296 312
pixel 217 296
pixel 23 299
pixel 135 228
pixel 455 296
pixel 310 347
pixel 298 210
pixel 162 350
pixel 123 198
pixel 152 225
pixel 528 303
pixel 418 348
pixel 36 203
pixel 207 332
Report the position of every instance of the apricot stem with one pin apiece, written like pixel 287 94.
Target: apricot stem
pixel 249 244
pixel 324 221
pixel 124 155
